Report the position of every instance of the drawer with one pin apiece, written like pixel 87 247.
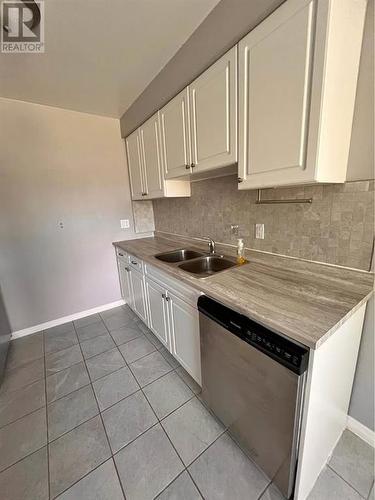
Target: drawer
pixel 136 263
pixel 173 285
pixel 122 255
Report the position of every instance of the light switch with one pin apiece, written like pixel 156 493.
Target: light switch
pixel 124 223
pixel 259 231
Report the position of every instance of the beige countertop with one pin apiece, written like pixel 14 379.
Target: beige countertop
pixel 303 300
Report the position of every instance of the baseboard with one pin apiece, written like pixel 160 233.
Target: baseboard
pixel 65 319
pixel 361 431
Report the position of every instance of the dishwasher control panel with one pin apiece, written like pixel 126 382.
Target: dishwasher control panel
pixel 281 349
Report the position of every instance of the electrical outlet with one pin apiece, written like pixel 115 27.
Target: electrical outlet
pixel 234 228
pixel 124 223
pixel 259 231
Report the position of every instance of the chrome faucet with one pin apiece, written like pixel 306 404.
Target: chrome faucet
pixel 211 244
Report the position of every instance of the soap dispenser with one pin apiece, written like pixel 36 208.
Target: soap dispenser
pixel 240 251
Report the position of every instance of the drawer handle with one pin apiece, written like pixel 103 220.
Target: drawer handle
pixel 135 262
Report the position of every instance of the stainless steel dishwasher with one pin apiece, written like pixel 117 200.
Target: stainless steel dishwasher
pixel 253 380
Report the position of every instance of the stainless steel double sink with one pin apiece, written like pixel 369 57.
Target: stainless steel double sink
pixel 199 264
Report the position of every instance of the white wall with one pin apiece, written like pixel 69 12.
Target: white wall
pixel 362 400
pixel 361 154
pixel 59 166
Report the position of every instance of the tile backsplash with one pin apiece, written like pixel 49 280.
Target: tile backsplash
pixel 337 227
pixel 143 216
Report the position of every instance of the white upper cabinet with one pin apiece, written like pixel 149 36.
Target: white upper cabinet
pixel 151 158
pixel 297 78
pixel 145 161
pixel 175 136
pixel 213 115
pixel 133 151
pixel 199 126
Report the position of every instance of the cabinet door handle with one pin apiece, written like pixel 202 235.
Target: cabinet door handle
pixel 192 165
pixel 163 296
pixel 167 299
pixel 134 262
pixel 127 269
pixel 121 254
pixel 239 180
pixel 187 167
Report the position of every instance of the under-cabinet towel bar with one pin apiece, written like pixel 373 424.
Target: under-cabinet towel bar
pixel 259 201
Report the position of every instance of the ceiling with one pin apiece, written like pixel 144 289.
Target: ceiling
pixel 100 54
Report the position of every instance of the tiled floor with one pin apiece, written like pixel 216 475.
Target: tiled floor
pixel 100 410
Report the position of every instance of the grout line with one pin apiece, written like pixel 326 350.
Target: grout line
pixel 118 475
pixel 47 429
pixel 59 349
pixel 159 421
pixel 263 491
pixel 80 423
pixel 162 491
pixel 186 467
pixel 28 384
pixel 161 376
pixel 102 421
pixel 161 426
pixel 22 365
pixel 83 477
pixel 25 415
pixel 135 439
pixel 372 486
pixel 20 459
pixel 93 381
pixel 345 481
pixel 195 484
pixel 66 368
pixel 84 359
pixel 68 393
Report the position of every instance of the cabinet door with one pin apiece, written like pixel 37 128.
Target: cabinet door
pixel 139 302
pixel 152 164
pixel 213 114
pixel 126 289
pixel 185 339
pixel 133 151
pixel 157 310
pixel 175 136
pixel 275 72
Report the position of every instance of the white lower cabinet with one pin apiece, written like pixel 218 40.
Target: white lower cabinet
pixel 125 283
pixel 159 301
pixel 139 297
pixel 184 334
pixel 157 311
